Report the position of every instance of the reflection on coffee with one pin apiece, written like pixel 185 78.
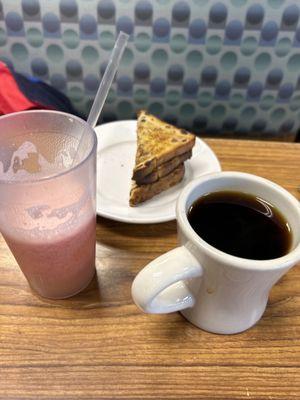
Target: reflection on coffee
pixel 241 224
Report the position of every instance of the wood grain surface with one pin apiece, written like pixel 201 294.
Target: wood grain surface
pixel 98 345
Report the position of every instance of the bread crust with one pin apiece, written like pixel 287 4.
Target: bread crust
pixel 164 169
pixel 141 193
pixel 158 142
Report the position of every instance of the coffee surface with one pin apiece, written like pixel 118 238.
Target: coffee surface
pixel 241 224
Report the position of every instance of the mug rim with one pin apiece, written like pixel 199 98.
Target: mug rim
pixel 220 256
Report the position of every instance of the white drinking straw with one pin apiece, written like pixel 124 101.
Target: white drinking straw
pixel 107 79
pixel 105 83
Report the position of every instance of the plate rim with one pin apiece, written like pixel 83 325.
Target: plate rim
pixel 143 220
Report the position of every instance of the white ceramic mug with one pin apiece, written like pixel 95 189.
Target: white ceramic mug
pixel 216 291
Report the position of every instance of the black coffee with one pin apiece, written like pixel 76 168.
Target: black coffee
pixel 241 224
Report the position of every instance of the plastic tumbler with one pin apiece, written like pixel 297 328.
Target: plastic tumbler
pixel 47 199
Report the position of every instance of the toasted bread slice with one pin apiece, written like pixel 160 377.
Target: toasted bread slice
pixel 141 193
pixel 157 143
pixel 165 168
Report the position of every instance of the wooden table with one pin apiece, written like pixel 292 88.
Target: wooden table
pixel 98 345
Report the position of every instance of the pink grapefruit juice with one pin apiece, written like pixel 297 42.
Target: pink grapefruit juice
pixel 61 266
pixel 53 235
pixel 47 199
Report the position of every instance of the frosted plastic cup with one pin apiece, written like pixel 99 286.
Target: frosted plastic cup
pixel 47 199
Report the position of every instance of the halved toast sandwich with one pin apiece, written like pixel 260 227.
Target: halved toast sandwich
pixel 161 152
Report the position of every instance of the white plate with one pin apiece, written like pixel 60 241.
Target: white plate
pixel 115 162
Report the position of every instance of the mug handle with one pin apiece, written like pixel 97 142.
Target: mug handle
pixel 159 288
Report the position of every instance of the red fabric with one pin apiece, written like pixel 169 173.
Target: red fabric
pixel 11 98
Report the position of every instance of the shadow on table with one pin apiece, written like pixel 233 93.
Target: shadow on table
pixel 141 238
pixel 89 297
pixel 140 230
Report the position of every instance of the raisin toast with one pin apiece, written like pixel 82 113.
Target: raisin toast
pixel 141 193
pixel 157 143
pixel 164 169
